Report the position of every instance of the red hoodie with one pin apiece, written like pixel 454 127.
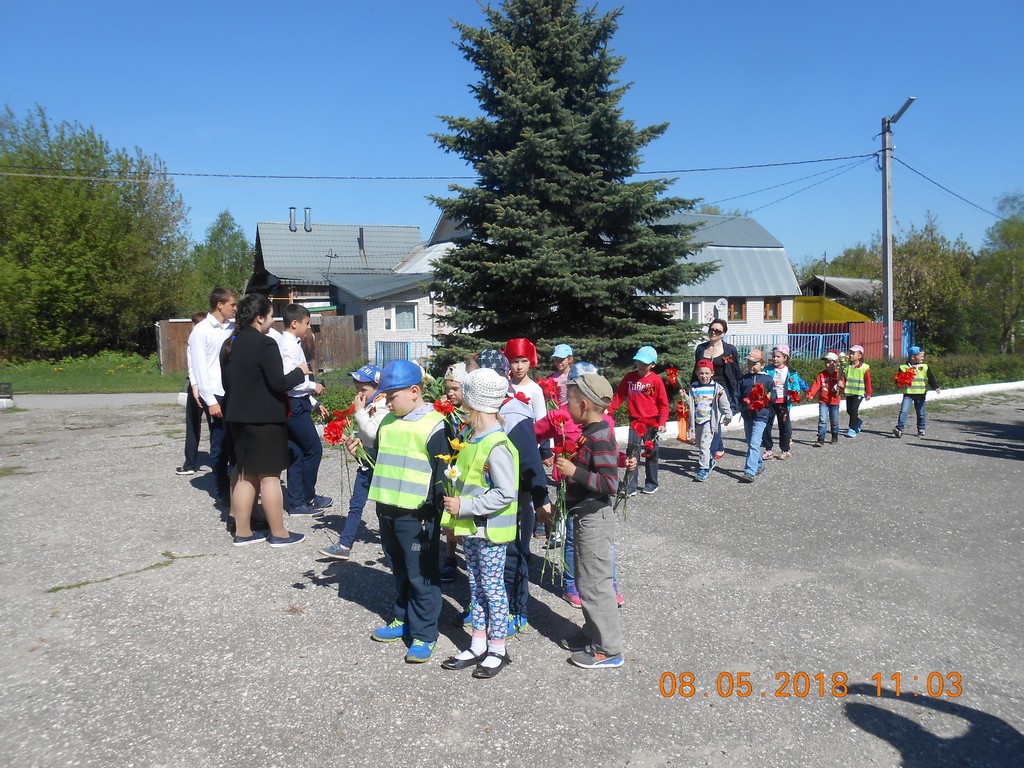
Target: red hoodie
pixel 645 398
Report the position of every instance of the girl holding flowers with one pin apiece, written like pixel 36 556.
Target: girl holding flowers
pixel 480 504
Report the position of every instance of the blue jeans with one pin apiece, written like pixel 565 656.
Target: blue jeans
pixel 306 452
pixel 360 490
pixel 219 451
pixel 918 401
pixel 828 415
pixel 753 430
pixel 635 447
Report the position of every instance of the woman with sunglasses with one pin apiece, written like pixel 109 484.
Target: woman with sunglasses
pixel 725 358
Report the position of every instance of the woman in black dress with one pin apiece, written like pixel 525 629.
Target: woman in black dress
pixel 255 411
pixel 725 358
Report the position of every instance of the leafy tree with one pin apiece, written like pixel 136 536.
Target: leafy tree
pixel 560 245
pixel 224 258
pixel 1001 271
pixel 933 285
pixel 91 240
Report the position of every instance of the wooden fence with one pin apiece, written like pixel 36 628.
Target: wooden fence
pixel 338 344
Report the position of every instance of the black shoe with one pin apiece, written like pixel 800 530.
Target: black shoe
pixel 835 438
pixel 486 673
pixel 184 471
pixel 453 663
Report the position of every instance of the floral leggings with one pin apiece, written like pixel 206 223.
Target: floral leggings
pixel 485 565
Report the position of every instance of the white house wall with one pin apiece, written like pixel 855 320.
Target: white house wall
pixel 754 323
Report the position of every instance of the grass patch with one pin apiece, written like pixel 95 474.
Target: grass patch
pixel 105 373
pixel 10 471
pixel 169 558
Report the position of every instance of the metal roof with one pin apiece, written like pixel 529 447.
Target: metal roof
pixel 368 286
pixel 422 259
pixel 743 272
pixel 848 286
pixel 733 231
pixel 301 257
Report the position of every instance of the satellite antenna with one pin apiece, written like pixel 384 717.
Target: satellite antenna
pixel 721 308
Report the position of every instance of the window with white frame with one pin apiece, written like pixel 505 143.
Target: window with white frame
pixel 405 317
pixel 690 310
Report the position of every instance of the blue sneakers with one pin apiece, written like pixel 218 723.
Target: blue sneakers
pixel 588 658
pixel 337 551
pixel 419 652
pixel 851 432
pixel 320 502
pixel 256 537
pixel 287 541
pixel 304 511
pixel 702 475
pixel 517 625
pixel 390 633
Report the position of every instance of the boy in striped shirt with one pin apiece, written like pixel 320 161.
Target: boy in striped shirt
pixel 592 480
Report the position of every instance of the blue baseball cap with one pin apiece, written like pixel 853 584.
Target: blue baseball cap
pixel 580 368
pixel 914 350
pixel 646 355
pixel 563 351
pixel 399 374
pixel 368 374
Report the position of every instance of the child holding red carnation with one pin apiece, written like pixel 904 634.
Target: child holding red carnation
pixel 755 392
pixel 914 379
pixel 828 386
pixel 646 400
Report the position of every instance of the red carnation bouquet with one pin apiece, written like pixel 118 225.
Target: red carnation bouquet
pixel 794 396
pixel 672 376
pixel 905 378
pixel 758 398
pixel 341 429
pixel 552 392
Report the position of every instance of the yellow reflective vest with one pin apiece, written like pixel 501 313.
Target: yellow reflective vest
pixel 472 481
pixel 404 468
pixel 855 380
pixel 920 383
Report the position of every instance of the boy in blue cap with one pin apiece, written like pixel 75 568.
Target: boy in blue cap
pixel 916 392
pixel 647 405
pixel 370 412
pixel 407 486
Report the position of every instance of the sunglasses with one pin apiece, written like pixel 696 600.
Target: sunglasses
pixel 715 331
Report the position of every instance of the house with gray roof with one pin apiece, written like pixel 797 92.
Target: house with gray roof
pixel 754 276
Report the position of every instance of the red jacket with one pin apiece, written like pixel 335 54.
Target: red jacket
pixel 645 398
pixel 826 386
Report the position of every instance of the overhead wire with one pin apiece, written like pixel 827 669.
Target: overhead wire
pixel 948 190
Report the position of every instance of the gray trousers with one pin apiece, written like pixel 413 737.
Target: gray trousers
pixel 595 534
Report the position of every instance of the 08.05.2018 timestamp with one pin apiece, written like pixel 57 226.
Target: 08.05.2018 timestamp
pixel 802 685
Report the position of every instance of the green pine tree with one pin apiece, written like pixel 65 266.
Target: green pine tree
pixel 561 247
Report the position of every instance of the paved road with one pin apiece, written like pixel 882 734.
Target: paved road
pixel 874 557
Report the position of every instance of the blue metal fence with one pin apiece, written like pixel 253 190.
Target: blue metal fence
pixel 389 351
pixel 807 346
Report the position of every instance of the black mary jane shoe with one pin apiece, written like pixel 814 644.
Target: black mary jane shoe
pixel 452 663
pixel 486 673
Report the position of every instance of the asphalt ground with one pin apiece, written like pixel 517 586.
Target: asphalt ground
pixel 134 634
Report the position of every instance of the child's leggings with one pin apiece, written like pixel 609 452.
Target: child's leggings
pixel 485 566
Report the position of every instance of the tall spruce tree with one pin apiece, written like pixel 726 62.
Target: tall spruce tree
pixel 560 246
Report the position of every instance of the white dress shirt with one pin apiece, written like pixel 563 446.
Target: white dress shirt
pixel 292 356
pixel 204 345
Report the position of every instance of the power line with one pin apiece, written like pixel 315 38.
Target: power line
pixel 947 189
pixel 783 184
pixel 151 177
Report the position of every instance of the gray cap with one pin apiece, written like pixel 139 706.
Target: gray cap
pixel 595 388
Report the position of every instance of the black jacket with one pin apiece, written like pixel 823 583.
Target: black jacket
pixel 255 385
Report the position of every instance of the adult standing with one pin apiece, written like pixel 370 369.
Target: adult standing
pixel 725 359
pixel 204 345
pixel 255 410
pixel 193 412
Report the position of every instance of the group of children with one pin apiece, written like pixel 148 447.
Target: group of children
pixel 766 394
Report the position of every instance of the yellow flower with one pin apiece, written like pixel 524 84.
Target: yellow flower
pixel 456 444
pixel 447 458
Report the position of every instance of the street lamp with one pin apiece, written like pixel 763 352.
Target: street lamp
pixel 887 318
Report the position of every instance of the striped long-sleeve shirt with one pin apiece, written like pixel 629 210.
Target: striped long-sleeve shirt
pixel 596 479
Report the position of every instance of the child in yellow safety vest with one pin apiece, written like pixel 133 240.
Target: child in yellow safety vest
pixel 480 505
pixel 858 388
pixel 915 391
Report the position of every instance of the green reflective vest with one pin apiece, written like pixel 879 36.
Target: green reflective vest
pixel 501 525
pixel 920 383
pixel 855 380
pixel 404 468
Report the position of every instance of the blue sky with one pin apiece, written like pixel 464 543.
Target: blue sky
pixel 354 89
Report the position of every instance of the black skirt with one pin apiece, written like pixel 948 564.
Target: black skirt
pixel 260 449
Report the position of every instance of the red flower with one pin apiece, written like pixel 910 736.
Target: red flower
pixel 443 407
pixel 640 426
pixel 558 418
pixel 758 398
pixel 334 431
pixel 551 389
pixel 346 413
pixel 672 375
pixel 682 412
pixel 648 445
pixel 794 396
pixel 905 378
pixel 522 398
pixel 570 448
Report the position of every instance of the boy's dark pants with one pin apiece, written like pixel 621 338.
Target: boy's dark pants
pixel 412 540
pixel 219 450
pixel 779 412
pixel 635 447
pixel 306 451
pixel 595 535
pixel 517 560
pixel 193 426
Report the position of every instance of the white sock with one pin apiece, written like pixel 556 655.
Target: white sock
pixel 478 645
pixel 496 647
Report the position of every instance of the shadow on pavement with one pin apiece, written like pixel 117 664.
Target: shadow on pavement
pixel 989 742
pixel 984 438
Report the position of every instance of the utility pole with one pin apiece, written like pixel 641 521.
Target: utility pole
pixel 887 313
